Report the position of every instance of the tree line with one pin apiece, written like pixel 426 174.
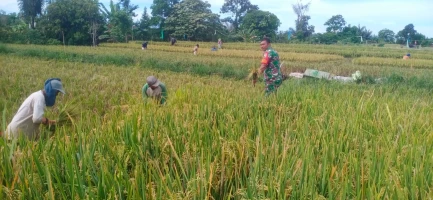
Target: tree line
pixel 88 22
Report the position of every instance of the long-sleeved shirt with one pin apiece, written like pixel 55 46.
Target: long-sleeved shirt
pixel 159 93
pixel 28 118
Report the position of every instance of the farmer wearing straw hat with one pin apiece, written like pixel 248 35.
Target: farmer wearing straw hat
pixel 155 89
pixel 270 67
pixel 30 114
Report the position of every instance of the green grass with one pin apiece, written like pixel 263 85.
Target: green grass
pixel 156 61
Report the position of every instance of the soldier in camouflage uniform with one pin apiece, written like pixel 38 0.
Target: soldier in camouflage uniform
pixel 270 65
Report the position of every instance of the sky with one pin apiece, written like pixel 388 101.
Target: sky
pixel 375 15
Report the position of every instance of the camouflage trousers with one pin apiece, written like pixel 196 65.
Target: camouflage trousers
pixel 272 86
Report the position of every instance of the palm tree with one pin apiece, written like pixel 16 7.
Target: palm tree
pixel 31 9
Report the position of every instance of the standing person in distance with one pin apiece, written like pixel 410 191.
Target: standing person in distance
pixel 220 43
pixel 173 41
pixel 31 112
pixel 196 49
pixel 270 67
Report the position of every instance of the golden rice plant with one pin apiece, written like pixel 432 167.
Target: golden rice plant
pixel 411 63
pixel 253 75
pixel 312 139
pixel 350 51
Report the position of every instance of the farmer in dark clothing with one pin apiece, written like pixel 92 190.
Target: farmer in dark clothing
pixel 144 45
pixel 173 41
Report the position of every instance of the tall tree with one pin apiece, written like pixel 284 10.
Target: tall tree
pixel 161 9
pixel 386 35
pixel 119 20
pixel 238 8
pixel 335 24
pixel 31 9
pixel 74 19
pixel 261 23
pixel 128 7
pixel 303 29
pixel 353 34
pixel 407 33
pixel 349 34
pixel 300 10
pixel 144 24
pixel 364 32
pixel 193 18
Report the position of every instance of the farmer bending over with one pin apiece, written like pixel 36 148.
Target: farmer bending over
pixel 30 114
pixel 144 45
pixel 270 66
pixel 406 57
pixel 155 89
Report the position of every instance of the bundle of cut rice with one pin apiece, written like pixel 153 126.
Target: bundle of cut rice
pixel 65 117
pixel 254 75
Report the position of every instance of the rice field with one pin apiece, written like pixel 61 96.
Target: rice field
pixel 218 137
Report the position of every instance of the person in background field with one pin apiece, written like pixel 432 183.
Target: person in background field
pixel 173 41
pixel 214 48
pixel 270 67
pixel 144 45
pixel 220 43
pixel 406 57
pixel 154 89
pixel 30 114
pixel 196 49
